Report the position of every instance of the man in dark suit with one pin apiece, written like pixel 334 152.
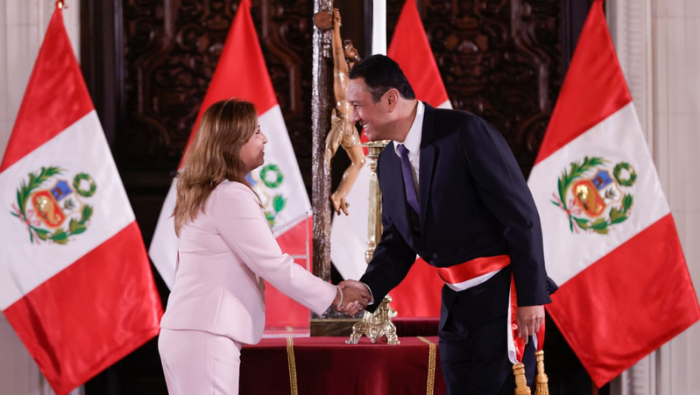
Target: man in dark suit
pixel 454 194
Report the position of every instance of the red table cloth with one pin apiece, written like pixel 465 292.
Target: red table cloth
pixel 326 365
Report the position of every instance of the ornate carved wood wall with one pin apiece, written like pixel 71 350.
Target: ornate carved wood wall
pixel 500 59
pixel 148 63
pixel 170 53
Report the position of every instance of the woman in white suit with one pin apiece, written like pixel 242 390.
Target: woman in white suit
pixel 226 250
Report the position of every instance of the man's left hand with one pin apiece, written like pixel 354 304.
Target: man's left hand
pixel 530 319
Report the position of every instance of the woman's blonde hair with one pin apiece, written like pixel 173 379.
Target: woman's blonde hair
pixel 214 156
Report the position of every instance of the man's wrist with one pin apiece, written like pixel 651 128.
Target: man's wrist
pixel 370 294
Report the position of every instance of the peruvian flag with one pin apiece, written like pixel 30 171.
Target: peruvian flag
pixel 419 293
pixel 609 236
pixel 241 72
pixel 75 282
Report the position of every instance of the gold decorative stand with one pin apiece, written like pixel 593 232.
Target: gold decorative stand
pixel 377 324
pixel 374 230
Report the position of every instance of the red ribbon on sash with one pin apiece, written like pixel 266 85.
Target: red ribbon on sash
pixel 472 269
pixel 485 265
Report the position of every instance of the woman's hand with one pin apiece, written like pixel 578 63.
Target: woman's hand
pixel 352 299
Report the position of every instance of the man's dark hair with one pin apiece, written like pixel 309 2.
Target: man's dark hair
pixel 381 73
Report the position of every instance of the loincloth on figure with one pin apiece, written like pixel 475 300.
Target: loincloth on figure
pixel 343 133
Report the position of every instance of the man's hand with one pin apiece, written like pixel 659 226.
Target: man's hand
pixel 530 319
pixel 355 297
pixel 357 285
pixel 361 288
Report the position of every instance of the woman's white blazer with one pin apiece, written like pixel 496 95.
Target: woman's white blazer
pixel 224 255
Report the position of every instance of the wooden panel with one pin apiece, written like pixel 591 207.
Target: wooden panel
pixel 171 51
pixel 499 60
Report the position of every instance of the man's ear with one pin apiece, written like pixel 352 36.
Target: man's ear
pixel 392 98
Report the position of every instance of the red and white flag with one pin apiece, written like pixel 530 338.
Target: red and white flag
pixel 419 293
pixel 609 236
pixel 241 72
pixel 75 282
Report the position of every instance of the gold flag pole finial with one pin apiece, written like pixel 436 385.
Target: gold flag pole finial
pixel 542 387
pixel 521 387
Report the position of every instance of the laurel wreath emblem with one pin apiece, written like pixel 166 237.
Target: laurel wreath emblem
pixel 616 215
pixel 77 181
pixel 278 201
pixel 75 226
pixel 276 170
pixel 630 180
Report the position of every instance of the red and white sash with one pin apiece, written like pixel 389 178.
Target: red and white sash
pixel 477 271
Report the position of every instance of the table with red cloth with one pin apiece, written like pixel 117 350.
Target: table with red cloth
pixel 326 365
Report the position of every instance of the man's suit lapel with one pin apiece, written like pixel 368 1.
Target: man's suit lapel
pixel 395 191
pixel 428 155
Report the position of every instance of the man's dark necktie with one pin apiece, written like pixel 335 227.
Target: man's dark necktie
pixel 408 181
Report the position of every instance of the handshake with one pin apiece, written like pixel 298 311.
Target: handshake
pixel 352 297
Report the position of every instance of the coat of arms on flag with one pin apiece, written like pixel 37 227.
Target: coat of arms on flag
pixel 593 199
pixel 46 201
pixel 269 179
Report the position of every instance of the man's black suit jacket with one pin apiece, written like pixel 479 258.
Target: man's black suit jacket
pixel 474 202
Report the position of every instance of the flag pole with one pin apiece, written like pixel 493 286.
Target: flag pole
pixel 379 27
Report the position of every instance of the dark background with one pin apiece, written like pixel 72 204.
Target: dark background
pixel 147 64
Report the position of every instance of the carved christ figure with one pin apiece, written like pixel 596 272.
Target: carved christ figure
pixel 343 130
